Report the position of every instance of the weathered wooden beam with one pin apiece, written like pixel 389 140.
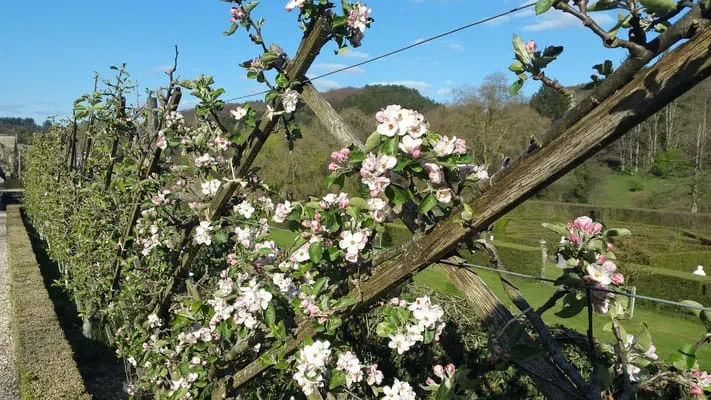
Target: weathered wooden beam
pixel 334 123
pixel 496 317
pixel 561 151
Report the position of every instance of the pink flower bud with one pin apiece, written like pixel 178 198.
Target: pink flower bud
pixel 583 223
pixel 344 202
pixel 438 371
pixel 617 278
pixel 429 381
pixel 531 46
pixel 450 369
pixel 610 247
pixel 416 152
pixel 696 390
pixel 601 259
pixel 332 166
pixel 596 228
pixel 574 238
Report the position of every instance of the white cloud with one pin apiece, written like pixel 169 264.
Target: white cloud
pixel 419 85
pixel 323 85
pixel 557 20
pixel 456 47
pixel 330 67
pixel 161 68
pixel 356 54
pixel 445 91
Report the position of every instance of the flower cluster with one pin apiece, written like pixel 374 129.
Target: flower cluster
pixel 590 256
pixel 417 321
pixel 445 375
pixel 399 390
pixel 350 365
pixel 311 366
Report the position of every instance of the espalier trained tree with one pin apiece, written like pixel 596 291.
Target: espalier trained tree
pixel 203 277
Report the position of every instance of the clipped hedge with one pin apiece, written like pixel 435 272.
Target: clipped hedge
pixel 45 362
pixel 682 261
pixel 517 258
pixel 668 284
pixel 559 211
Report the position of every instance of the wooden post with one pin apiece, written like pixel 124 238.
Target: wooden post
pixel 544 258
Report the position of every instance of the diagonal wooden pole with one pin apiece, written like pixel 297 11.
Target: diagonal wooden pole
pixel 626 104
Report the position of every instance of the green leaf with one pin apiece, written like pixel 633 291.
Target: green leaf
pixel 602 5
pixel 385 329
pixel 390 146
pixel 338 379
pixel 659 8
pixel 688 350
pixel 693 304
pixel 516 87
pixel 397 194
pixel 373 141
pixel 282 80
pixel 220 237
pixel 427 204
pixel 344 302
pixel 249 7
pixel 543 6
pixel 570 279
pixel 316 252
pixel 520 50
pixel 617 232
pixel 231 29
pixel 644 339
pixel 517 67
pixel 559 229
pixel 572 306
pixel 428 336
pixel 270 316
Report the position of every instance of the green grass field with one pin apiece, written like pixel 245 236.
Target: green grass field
pixel 668 332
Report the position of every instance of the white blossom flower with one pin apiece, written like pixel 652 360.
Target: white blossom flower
pixel 398 391
pixel 239 113
pixel 205 161
pixel 154 321
pixel 202 233
pixel 349 364
pixel 281 211
pixel 211 187
pixel 245 209
pixel 289 100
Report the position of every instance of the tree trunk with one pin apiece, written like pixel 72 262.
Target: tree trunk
pixel 698 160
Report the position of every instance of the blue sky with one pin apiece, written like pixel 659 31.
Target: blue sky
pixel 50 49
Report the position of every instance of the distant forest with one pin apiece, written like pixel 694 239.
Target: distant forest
pixel 670 147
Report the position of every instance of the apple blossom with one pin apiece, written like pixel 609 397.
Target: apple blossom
pixel 359 17
pixel 292 4
pixel 289 100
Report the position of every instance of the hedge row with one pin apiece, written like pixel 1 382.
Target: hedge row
pixel 668 284
pixel 682 261
pixel 558 211
pixel 45 362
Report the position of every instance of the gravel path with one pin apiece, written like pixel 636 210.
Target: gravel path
pixel 8 374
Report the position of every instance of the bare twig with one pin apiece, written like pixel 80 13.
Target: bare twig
pixel 635 49
pixel 622 353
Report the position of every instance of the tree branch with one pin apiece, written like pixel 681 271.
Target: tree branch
pixel 635 49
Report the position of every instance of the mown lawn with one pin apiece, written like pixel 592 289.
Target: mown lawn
pixel 668 332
